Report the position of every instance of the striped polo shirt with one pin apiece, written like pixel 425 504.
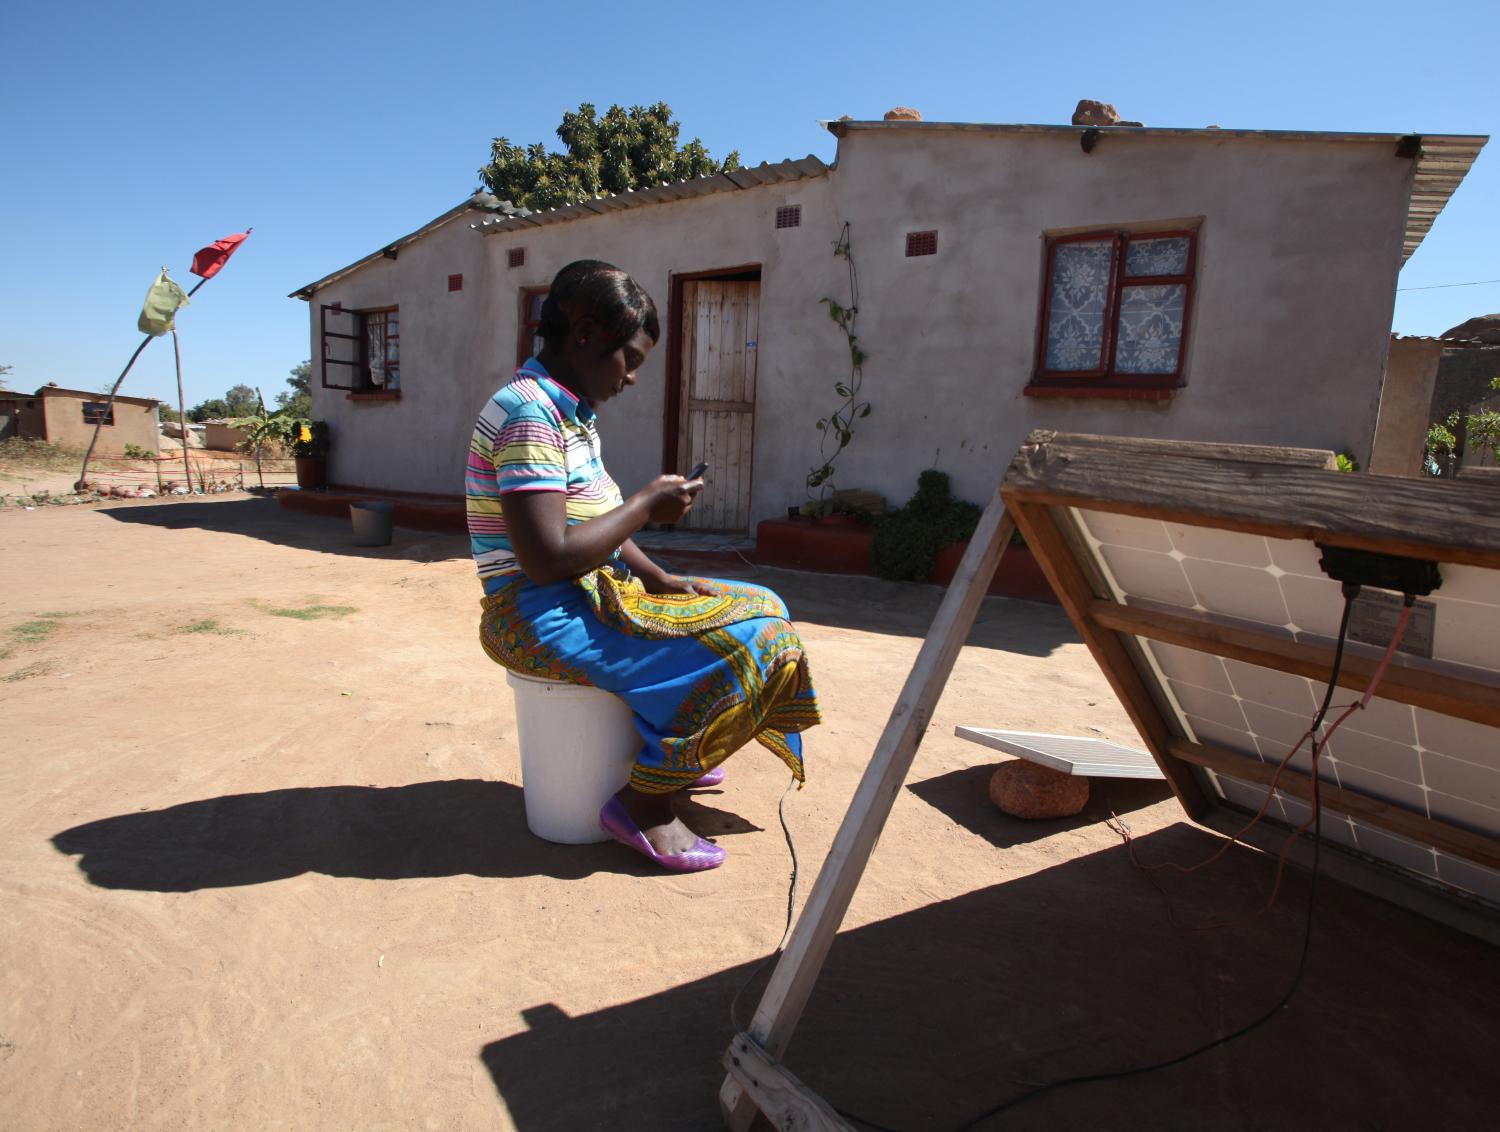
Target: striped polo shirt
pixel 532 435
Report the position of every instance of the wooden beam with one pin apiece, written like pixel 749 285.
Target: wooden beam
pixel 1320 458
pixel 1223 487
pixel 797 970
pixel 1077 597
pixel 786 1102
pixel 695 405
pixel 1447 838
pixel 1448 695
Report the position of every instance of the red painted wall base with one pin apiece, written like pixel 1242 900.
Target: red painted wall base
pixel 837 548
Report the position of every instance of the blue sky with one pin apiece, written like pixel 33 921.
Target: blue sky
pixel 136 134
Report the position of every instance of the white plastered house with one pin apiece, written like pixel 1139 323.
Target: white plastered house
pixel 1204 284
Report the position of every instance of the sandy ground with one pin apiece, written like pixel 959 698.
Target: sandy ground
pixel 270 871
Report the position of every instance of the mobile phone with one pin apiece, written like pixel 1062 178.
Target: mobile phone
pixel 697 472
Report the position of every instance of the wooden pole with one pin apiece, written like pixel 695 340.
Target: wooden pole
pixel 181 406
pixel 792 979
pixel 83 472
pixel 259 474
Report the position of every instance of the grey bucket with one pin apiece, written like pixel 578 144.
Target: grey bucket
pixel 372 523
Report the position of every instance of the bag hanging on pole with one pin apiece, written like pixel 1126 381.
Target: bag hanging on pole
pixel 162 304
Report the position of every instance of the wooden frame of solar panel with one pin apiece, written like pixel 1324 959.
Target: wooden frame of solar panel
pixel 1192 573
pixel 1110 520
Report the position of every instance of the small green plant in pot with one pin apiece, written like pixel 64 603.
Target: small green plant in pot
pixel 310 453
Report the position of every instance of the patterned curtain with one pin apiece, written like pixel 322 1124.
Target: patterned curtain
pixel 1076 305
pixel 1149 338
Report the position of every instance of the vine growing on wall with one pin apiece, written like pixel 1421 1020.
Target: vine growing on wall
pixel 838 427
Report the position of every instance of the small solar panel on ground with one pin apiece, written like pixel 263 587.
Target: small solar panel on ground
pixel 1090 758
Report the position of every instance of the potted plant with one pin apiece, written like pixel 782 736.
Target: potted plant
pixel 909 541
pixel 310 453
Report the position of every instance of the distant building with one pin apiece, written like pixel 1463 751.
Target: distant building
pixel 67 417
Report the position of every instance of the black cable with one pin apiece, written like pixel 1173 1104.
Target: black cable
pixel 791 905
pixel 1350 591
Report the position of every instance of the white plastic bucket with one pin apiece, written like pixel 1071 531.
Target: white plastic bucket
pixel 372 523
pixel 577 747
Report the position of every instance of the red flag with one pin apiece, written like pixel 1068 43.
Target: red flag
pixel 209 260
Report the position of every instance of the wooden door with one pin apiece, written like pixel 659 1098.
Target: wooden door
pixel 720 326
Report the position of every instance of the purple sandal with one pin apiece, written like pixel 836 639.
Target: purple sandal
pixel 615 821
pixel 712 778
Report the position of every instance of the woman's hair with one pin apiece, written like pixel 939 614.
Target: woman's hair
pixel 589 287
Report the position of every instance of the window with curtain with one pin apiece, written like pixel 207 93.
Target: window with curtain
pixel 1115 309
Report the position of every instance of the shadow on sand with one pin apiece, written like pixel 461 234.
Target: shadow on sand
pixel 905 609
pixel 431 829
pixel 928 1019
pixel 842 601
pixel 262 518
pixel 963 795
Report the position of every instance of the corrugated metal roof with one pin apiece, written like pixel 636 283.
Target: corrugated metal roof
pixel 1445 343
pixel 482 201
pixel 754 178
pixel 57 390
pixel 1442 160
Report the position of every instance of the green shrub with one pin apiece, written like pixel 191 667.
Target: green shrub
pixel 908 541
pixel 136 452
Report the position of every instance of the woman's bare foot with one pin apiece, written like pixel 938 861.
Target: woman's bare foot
pixel 654 814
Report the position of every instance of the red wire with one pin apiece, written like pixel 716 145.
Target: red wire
pixel 1281 857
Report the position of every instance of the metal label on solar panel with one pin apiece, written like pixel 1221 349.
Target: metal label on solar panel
pixel 1374 617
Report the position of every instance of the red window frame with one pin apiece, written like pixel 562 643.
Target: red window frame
pixel 359 382
pixel 1105 377
pixel 529 326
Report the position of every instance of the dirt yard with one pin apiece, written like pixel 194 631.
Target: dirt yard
pixel 263 864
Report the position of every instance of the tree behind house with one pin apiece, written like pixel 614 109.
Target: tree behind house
pixel 298 402
pixel 625 149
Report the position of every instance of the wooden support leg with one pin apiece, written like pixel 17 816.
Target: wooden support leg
pixel 797 970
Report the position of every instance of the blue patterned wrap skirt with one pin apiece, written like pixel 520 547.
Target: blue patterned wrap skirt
pixel 703 674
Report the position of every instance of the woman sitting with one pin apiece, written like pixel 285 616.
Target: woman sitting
pixel 704 665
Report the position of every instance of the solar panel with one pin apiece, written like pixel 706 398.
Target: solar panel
pixel 1193 573
pixel 1070 754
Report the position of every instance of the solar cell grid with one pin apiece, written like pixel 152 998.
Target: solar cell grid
pixel 1423 761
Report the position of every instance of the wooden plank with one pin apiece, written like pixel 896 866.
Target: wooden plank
pixel 1449 695
pixel 1395 819
pixel 745 473
pixel 797 970
pixel 1450 522
pixel 1077 596
pixel 733 386
pixel 703 329
pixel 746 469
pixel 721 406
pixel 713 452
pixel 730 496
pixel 688 353
pixel 786 1102
pixel 691 457
pixel 752 334
pixel 1194 449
